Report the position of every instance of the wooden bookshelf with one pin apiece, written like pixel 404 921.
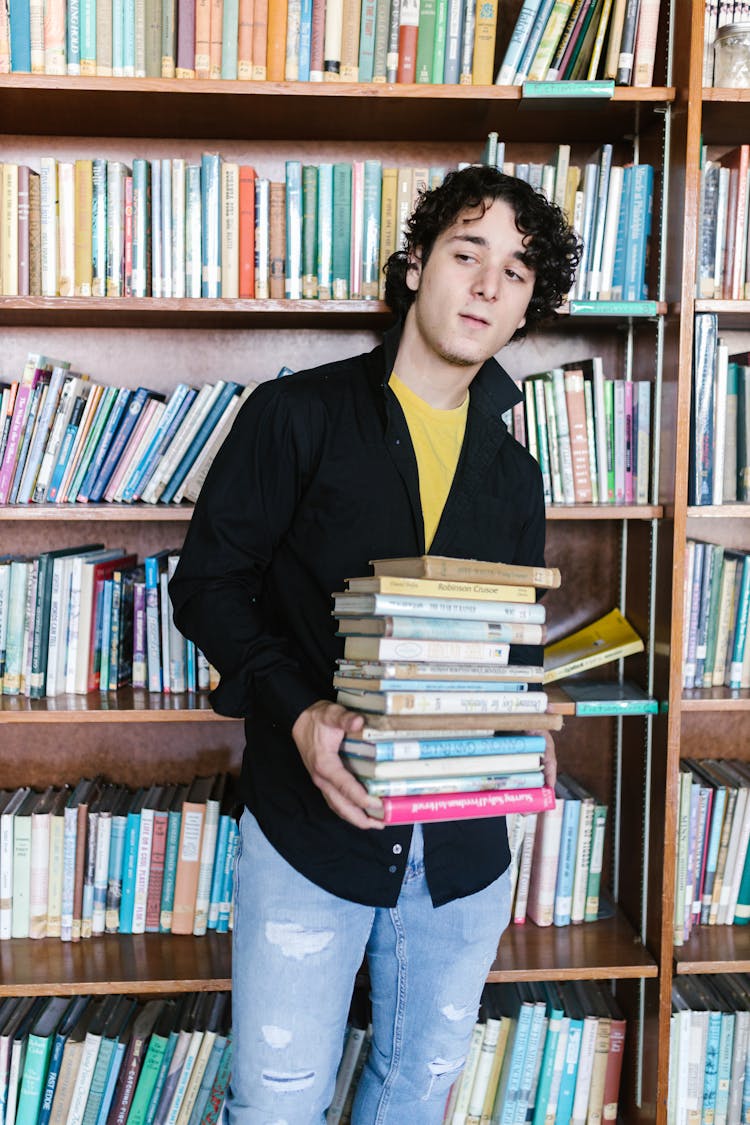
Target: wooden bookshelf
pixel 716 699
pixel 129 705
pixel 714 949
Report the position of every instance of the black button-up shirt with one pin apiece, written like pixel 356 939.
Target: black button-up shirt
pixel 317 477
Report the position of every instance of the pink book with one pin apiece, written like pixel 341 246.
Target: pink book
pixel 465 806
pixel 18 421
pixel 124 463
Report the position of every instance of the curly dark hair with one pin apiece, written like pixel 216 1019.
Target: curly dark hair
pixel 552 249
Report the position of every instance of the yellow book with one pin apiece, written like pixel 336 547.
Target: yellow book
pixel 387 221
pixel 601 32
pixel 9 230
pixel 551 37
pixel 437 588
pixel 230 221
pixel 66 212
pixel 497 1065
pixel 485 27
pixel 83 207
pixel 609 638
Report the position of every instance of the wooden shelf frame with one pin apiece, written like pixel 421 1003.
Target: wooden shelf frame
pixel 714 949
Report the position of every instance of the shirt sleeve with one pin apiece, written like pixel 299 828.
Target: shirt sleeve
pixel 246 505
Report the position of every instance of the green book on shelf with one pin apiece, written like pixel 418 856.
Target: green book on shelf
pixel 607 697
pixel 342 211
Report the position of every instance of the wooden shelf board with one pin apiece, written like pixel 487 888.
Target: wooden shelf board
pixel 719 511
pixel 130 705
pixel 601 950
pixel 101 513
pixel 154 107
pixel 116 963
pixel 731 314
pixel 714 949
pixel 604 512
pixel 715 699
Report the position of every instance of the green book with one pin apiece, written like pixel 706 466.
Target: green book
pixel 593 883
pixel 380 51
pixel 36 1063
pixel 325 231
pixel 581 53
pixel 609 427
pixel 426 41
pixel 342 233
pixel 170 858
pixel 309 231
pixel 151 1068
pixel 229 38
pixel 441 31
pixel 118 1018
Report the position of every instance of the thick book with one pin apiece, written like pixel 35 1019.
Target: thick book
pixel 436 767
pixel 465 684
pixel 436 726
pixel 414 749
pixel 449 652
pixel 347 604
pixel 463 806
pixel 442 629
pixel 380 675
pixel 444 702
pixel 609 638
pixel 438 588
pixel 467 570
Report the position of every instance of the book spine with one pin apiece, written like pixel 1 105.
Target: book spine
pixel 461 806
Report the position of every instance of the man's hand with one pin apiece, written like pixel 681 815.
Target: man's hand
pixel 318 733
pixel 549 761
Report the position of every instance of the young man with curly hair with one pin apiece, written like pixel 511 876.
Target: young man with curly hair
pixel 397 452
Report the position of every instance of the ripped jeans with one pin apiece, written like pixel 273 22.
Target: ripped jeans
pixel 296 952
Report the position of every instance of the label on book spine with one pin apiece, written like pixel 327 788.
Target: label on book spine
pixel 613 308
pixel 605 88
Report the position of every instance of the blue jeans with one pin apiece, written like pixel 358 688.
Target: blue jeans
pixel 296 952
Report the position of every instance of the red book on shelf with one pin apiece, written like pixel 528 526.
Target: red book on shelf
pixel 247 231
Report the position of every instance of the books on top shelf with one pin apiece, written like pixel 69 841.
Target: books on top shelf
pixel 437 689
pixel 716 606
pixel 66 439
pixel 100 858
pixel 86 618
pixel 609 638
pixel 590 41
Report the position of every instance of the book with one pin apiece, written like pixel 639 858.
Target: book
pixel 609 638
pixel 434 767
pixel 413 749
pixel 444 702
pixel 610 697
pixel 462 806
pixel 438 567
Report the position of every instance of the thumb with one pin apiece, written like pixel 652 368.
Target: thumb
pixel 352 721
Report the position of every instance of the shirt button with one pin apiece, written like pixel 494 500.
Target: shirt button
pixel 393 869
pixel 397 849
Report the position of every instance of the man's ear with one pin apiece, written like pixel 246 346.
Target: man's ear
pixel 414 269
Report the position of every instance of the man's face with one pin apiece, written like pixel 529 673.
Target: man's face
pixel 473 293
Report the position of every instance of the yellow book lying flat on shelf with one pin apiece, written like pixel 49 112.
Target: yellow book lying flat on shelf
pixel 609 638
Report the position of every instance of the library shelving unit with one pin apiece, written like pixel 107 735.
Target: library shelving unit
pixel 608 555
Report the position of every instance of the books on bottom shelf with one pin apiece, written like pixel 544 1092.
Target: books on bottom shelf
pixel 708 1047
pixel 542 1051
pixel 94 858
pixel 712 885
pixel 114 1058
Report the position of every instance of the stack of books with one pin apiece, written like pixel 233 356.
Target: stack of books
pixel 426 659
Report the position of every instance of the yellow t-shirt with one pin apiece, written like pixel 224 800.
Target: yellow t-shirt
pixel 437 437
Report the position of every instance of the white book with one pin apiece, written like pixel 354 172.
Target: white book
pixel 116 172
pixel 483 1068
pixel 262 236
pixel 58 625
pixel 6 860
pixel 166 228
pixel 190 425
pixel 205 869
pixel 545 402
pixel 39 882
pixel 142 868
pixel 66 229
pixel 585 1068
pixel 191 1054
pixel 611 225
pixel 722 205
pixel 582 861
pixel 196 1076
pixel 563 435
pixel 445 702
pixel 524 868
pixel 720 418
pixel 643 441
pixel 48 197
pixel 590 183
pixel 193 482
pixel 85 1073
pixel 28 633
pixel 101 873
pixel 594 265
pixel 178 227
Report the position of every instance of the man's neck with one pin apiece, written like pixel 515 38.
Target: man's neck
pixel 439 383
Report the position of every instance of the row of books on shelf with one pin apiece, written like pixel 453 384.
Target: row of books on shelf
pixel 719 470
pixel 717 603
pixel 610 207
pixel 722 259
pixel 557 857
pixel 65 438
pixel 542 1051
pixel 709 1077
pixel 713 827
pixel 449 772
pixel 103 1059
pixel 404 41
pixel 97 857
pixel 590 434
pixel 87 618
pixel 177 228
pixel 718 14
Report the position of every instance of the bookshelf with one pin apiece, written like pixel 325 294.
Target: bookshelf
pixel 609 556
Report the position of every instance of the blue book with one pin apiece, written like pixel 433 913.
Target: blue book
pixel 521 1013
pixel 114 870
pixel 325 231
pixel 454 30
pixel 623 234
pixel 227 886
pixel 107 437
pixel 555 1016
pixel 711 1070
pixel 66 449
pixel 73 53
pixel 518 39
pixel 229 38
pixel 117 1020
pixel 531 1058
pixel 170 858
pixel 20 36
pixel 740 626
pixel 157 258
pixel 140 277
pixel 178 404
pixel 641 212
pixel 106 635
pixel 210 225
pixel 161 1077
pixel 570 1071
pixel 118 27
pixel 72 1015
pixel 724 1069
pixel 122 434
pixel 305 40
pixel 434 685
pixel 128 39
pixel 367 41
pixel 199 440
pixel 130 862
pixel 114 1073
pixel 567 858
pixel 536 32
pixel 209 1077
pixel 700 472
pixel 445 747
pixel 217 875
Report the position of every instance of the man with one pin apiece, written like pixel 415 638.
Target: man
pixel 393 453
